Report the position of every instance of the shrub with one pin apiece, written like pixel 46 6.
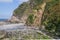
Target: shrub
pixel 30 19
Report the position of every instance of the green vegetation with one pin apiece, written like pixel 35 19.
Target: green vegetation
pixel 30 19
pixel 21 10
pixel 52 16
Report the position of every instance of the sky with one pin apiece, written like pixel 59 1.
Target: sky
pixel 8 6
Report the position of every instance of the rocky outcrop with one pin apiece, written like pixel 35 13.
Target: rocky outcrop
pixel 14 20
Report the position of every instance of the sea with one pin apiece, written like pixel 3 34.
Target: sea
pixel 3 19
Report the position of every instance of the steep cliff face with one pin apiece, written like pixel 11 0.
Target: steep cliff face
pixel 25 9
pixel 41 12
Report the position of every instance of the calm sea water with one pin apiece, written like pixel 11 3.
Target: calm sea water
pixel 3 19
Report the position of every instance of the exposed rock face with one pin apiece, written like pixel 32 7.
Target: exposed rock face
pixel 14 20
pixel 24 18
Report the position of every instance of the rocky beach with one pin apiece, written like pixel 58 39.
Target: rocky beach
pixel 19 32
